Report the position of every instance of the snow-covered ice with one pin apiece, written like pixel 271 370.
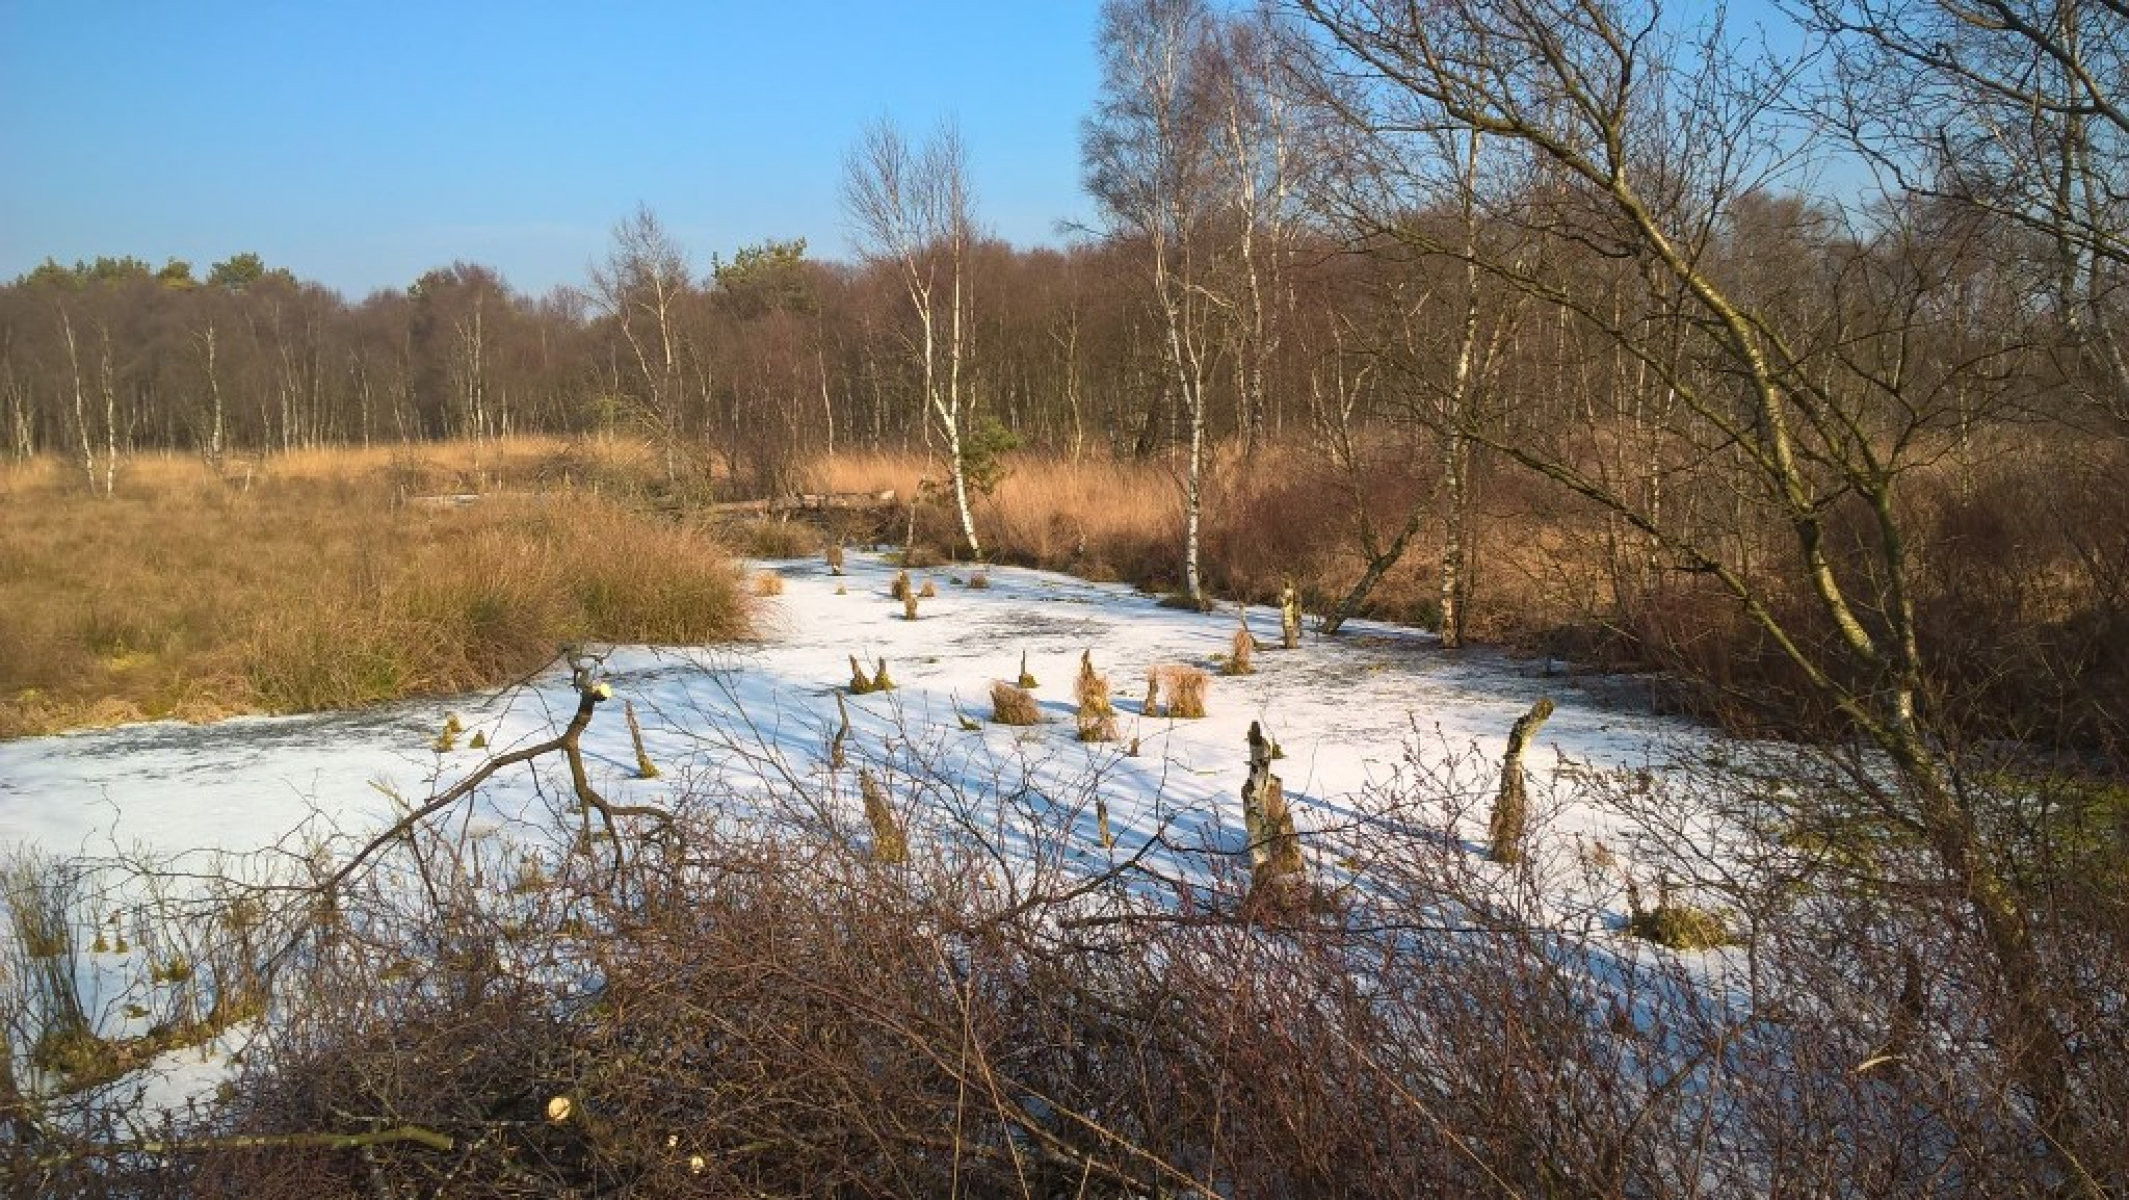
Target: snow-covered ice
pixel 1346 712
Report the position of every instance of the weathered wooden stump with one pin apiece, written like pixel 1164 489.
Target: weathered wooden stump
pixel 1511 811
pixel 1274 848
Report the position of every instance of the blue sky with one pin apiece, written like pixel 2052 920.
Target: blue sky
pixel 361 143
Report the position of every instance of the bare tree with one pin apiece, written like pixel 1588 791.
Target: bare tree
pixel 1654 131
pixel 641 287
pixel 911 210
pixel 1151 166
pixel 2019 111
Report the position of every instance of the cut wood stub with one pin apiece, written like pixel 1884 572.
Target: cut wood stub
pixel 1274 847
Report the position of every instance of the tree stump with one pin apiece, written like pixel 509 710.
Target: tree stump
pixel 889 843
pixel 1289 617
pixel 645 768
pixel 1274 847
pixel 1511 812
pixel 837 759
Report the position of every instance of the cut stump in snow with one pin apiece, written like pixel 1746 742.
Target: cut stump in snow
pixel 837 758
pixel 1274 847
pixel 1289 617
pixel 1511 811
pixel 645 768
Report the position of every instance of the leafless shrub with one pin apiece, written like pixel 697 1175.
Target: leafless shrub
pixel 970 999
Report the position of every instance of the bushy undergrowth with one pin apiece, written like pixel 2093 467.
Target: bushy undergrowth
pixel 324 584
pixel 712 1008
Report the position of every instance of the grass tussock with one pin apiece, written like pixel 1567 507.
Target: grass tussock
pixel 774 537
pixel 1097 711
pixel 313 588
pixel 1012 705
pixel 768 583
pixel 1680 927
pixel 1176 690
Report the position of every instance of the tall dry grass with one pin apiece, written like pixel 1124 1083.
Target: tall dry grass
pixel 1282 514
pixel 320 580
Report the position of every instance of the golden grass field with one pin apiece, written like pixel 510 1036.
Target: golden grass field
pixel 321 580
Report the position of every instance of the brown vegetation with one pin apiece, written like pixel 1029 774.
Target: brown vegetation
pixel 1011 705
pixel 1097 712
pixel 326 584
pixel 1177 690
pixel 854 999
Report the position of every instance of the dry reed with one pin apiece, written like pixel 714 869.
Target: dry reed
pixel 1097 712
pixel 1177 689
pixel 1012 705
pixel 314 587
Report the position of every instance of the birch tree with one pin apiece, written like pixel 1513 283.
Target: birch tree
pixel 912 213
pixel 641 287
pixel 1152 168
pixel 1257 149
